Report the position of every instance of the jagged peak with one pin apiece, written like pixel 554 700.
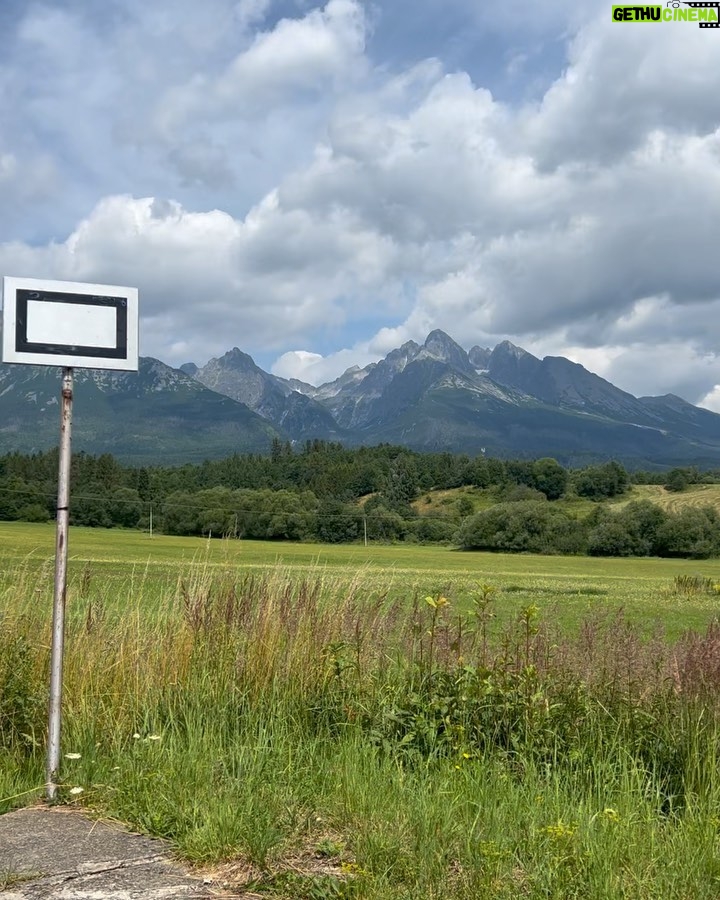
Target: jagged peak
pixel 405 351
pixel 439 345
pixel 233 359
pixel 437 334
pixel 479 356
pixel 507 348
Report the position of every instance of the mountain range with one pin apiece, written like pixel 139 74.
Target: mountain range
pixel 432 396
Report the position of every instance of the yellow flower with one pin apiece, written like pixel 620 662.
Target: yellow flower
pixel 559 831
pixel 438 603
pixel 610 814
pixel 351 868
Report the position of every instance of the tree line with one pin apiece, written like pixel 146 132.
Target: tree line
pixel 324 491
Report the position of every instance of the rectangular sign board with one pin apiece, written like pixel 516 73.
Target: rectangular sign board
pixel 68 323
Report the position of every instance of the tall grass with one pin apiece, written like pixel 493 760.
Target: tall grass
pixel 322 740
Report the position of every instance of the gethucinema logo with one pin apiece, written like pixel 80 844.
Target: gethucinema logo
pixel 707 15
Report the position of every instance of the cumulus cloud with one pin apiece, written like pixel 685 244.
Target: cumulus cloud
pixel 314 53
pixel 621 85
pixel 711 400
pixel 275 275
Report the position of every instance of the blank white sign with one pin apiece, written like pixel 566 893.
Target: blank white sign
pixel 60 323
pixel 69 323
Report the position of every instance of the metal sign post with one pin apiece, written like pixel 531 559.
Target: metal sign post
pixel 59 594
pixel 73 325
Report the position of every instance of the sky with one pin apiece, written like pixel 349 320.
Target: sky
pixel 319 183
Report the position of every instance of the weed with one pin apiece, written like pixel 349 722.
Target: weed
pixel 695 584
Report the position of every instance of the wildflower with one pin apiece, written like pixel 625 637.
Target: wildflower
pixel 73 755
pixel 153 737
pixel 76 790
pixel 492 850
pixel 559 831
pixel 610 814
pixel 351 868
pixel 136 736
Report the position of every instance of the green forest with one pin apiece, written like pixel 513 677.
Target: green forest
pixel 325 492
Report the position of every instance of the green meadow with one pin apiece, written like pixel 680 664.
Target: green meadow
pixel 383 722
pixel 115 565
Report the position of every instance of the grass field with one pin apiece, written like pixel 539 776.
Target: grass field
pixel 695 495
pixel 439 503
pixel 303 721
pixel 114 563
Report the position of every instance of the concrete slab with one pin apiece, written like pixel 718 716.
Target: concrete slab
pixel 59 854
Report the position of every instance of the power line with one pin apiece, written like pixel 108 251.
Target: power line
pixel 34 496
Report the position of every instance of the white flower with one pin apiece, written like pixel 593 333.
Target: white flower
pixel 136 736
pixel 73 755
pixel 153 737
pixel 76 790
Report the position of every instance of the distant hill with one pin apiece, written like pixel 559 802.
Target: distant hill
pixel 157 415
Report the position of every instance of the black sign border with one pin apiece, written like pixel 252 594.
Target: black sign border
pixel 22 345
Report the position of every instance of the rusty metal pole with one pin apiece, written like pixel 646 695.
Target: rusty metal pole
pixel 61 555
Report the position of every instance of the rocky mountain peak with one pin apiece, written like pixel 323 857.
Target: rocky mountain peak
pixel 508 349
pixel 513 366
pixel 479 357
pixel 439 345
pixel 402 354
pixel 236 359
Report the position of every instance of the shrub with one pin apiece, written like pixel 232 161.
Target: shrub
pixel 432 531
pixel 527 526
pixel 600 482
pixel 34 512
pixel 690 532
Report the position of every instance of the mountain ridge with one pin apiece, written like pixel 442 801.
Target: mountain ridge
pixel 435 396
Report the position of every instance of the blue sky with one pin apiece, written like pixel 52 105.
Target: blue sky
pixel 317 183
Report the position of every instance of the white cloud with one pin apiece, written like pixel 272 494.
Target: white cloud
pixel 711 400
pixel 314 368
pixel 297 364
pixel 320 51
pixel 209 276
